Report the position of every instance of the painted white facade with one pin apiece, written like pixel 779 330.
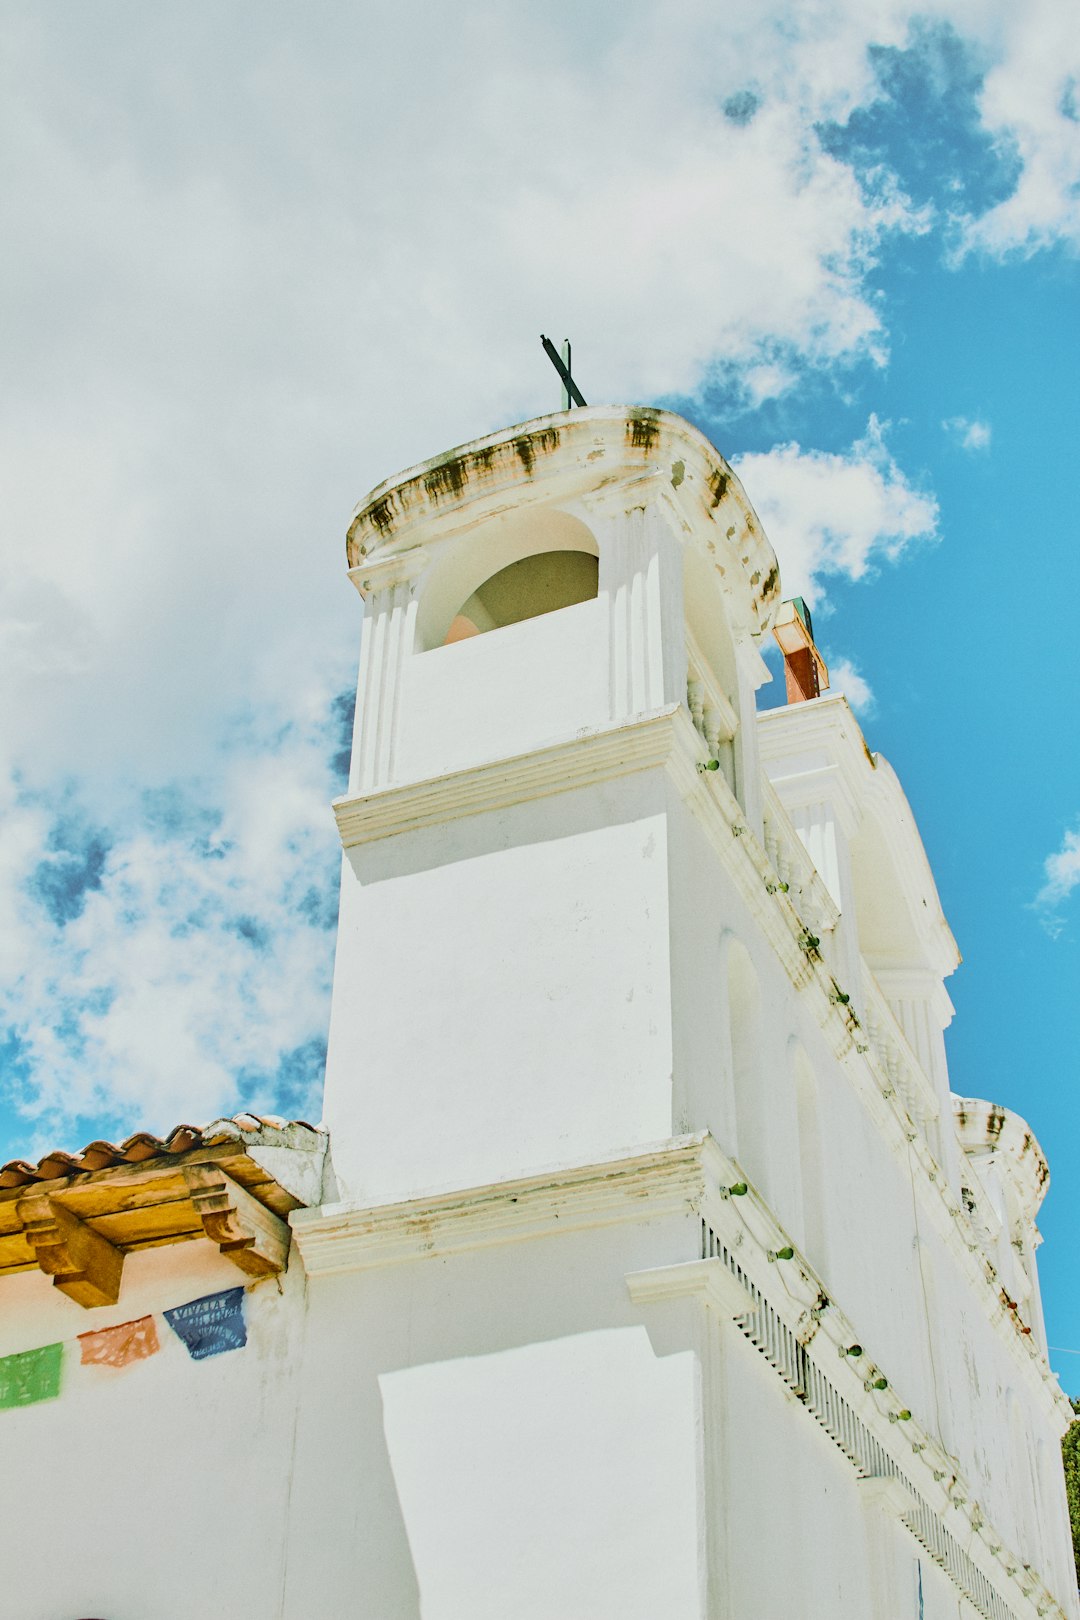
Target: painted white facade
pixel 659 1273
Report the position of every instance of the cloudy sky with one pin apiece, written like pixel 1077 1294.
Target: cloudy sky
pixel 257 258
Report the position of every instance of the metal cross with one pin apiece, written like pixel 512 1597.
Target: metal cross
pixel 571 393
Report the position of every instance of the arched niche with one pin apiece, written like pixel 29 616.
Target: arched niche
pixel 509 568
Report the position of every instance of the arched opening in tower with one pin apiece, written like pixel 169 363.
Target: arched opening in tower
pixel 542 583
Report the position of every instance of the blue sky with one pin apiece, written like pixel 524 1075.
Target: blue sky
pixel 266 261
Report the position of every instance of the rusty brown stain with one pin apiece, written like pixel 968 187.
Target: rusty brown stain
pixel 643 427
pixel 772 582
pixel 530 445
pixel 718 486
pixel 995 1123
pixel 381 515
pixel 446 480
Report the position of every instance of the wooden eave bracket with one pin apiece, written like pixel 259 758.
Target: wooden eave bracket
pixel 82 1264
pixel 246 1232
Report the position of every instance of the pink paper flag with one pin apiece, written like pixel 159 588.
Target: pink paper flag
pixel 116 1346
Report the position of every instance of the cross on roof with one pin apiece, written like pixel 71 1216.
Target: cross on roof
pixel 571 394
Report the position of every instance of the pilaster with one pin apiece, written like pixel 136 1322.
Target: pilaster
pixel 641 576
pixel 387 639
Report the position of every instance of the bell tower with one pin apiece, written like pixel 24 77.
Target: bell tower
pixel 658 1274
pixel 561 625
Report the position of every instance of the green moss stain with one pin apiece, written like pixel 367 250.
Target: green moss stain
pixel 718 485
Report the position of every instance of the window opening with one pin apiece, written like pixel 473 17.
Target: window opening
pixel 542 583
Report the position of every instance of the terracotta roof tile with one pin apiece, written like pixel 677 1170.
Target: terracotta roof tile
pixel 269 1130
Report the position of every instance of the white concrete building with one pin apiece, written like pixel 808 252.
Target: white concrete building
pixel 654 1271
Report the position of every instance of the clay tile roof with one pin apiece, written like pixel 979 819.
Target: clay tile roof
pixel 263 1130
pixel 151 1190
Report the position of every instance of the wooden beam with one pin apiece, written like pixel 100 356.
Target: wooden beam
pixel 250 1235
pixel 82 1264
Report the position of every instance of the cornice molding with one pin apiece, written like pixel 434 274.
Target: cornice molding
pixel 380 574
pixel 708 1280
pixel 589 756
pixel 607 453
pixel 351 1236
pixel 793 1292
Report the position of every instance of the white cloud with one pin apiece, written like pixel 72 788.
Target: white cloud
pixel 970 433
pixel 190 976
pixel 835 514
pixel 1030 101
pixel 845 677
pixel 263 263
pixel 1062 873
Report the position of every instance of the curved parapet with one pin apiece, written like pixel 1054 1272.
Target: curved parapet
pixel 985 1128
pixel 900 845
pixel 592 456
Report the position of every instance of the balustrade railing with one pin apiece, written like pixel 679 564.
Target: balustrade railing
pixel 712 712
pixel 795 871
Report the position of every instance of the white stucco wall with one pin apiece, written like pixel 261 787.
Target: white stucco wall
pixel 160 1489
pixel 501 998
pixel 504 692
pixel 511 1439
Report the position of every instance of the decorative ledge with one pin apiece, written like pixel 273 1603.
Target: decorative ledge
pixel 887 1492
pixel 578 761
pixel 354 1237
pixel 707 1280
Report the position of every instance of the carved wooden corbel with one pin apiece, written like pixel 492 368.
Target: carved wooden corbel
pixel 82 1264
pixel 251 1236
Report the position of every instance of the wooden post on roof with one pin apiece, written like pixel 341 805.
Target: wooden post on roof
pixel 82 1264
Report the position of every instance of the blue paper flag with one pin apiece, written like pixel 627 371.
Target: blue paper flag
pixel 211 1325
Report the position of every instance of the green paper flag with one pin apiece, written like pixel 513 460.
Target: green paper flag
pixel 31 1375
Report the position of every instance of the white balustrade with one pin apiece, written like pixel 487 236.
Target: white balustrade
pixel 795 871
pixel 711 710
